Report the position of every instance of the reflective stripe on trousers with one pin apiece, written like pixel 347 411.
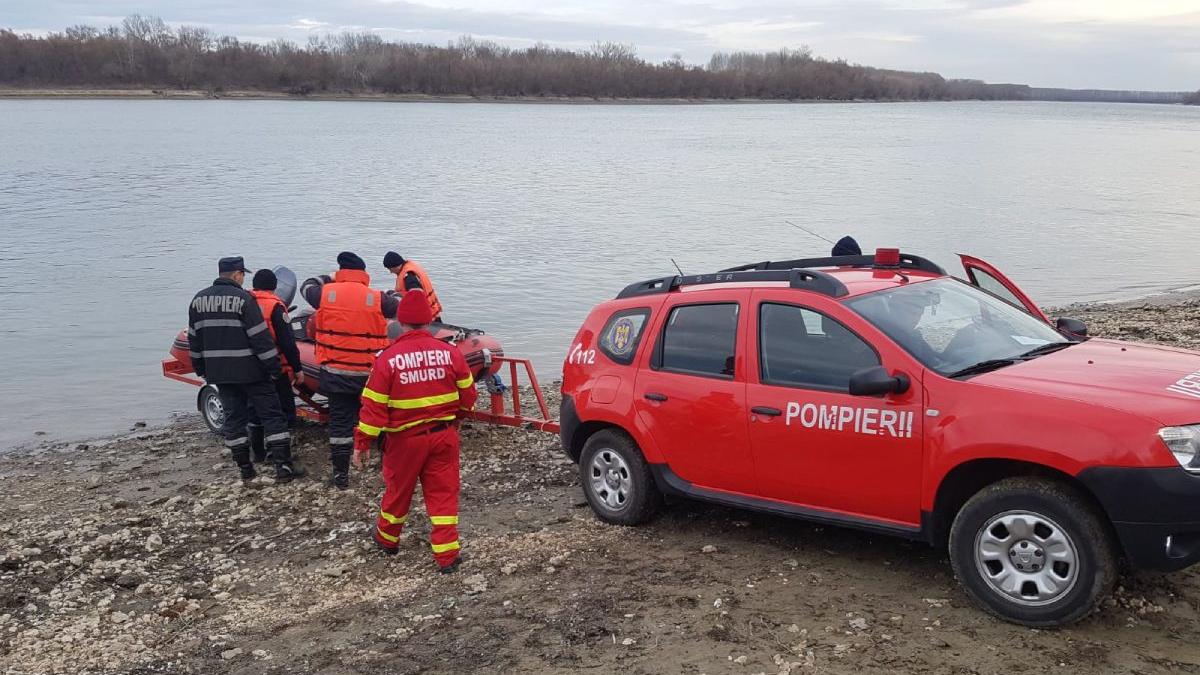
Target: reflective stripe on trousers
pixel 432 459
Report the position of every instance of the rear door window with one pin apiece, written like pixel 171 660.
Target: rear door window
pixel 620 336
pixel 700 340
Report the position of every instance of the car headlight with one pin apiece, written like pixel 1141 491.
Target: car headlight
pixel 1184 443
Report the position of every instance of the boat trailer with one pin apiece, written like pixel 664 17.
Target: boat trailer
pixel 505 405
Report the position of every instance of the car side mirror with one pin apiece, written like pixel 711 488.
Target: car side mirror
pixel 1072 326
pixel 875 381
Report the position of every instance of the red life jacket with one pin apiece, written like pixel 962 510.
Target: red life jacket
pixel 350 326
pixel 267 302
pixel 415 268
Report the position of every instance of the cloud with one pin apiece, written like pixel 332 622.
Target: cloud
pixel 1121 44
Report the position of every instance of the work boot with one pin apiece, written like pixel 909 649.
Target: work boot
pixel 341 470
pixel 241 457
pixel 285 467
pixel 387 550
pixel 258 446
pixel 452 567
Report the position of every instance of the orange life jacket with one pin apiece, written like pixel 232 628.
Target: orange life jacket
pixel 267 301
pixel 410 266
pixel 350 326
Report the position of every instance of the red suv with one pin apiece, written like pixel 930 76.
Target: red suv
pixel 878 392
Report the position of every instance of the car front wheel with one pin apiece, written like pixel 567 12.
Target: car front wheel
pixel 1033 551
pixel 616 480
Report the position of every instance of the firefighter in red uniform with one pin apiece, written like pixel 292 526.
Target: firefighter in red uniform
pixel 409 276
pixel 418 388
pixel 350 328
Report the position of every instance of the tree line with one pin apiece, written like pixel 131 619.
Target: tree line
pixel 145 52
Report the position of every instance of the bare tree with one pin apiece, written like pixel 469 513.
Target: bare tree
pixel 144 51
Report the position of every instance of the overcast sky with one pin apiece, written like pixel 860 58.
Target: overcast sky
pixel 1112 44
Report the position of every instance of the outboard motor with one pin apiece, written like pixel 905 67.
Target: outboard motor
pixel 286 285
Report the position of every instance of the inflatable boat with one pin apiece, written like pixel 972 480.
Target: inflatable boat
pixel 478 348
pixel 483 353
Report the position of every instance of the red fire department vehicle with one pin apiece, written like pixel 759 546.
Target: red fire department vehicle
pixel 879 392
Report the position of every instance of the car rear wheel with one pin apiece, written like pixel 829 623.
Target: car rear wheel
pixel 1033 551
pixel 209 403
pixel 616 480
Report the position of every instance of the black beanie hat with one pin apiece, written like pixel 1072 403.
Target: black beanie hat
pixel 348 261
pixel 392 259
pixel 264 280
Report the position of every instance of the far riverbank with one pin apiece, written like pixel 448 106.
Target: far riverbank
pixel 261 95
pixel 87 93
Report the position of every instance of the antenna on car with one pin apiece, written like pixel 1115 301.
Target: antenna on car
pixel 677 267
pixel 805 229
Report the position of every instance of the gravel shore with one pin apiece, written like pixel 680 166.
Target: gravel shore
pixel 144 554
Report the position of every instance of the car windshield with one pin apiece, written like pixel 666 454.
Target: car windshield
pixel 951 326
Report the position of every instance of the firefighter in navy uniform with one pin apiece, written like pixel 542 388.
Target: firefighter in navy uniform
pixel 350 328
pixel 279 326
pixel 419 387
pixel 411 275
pixel 230 347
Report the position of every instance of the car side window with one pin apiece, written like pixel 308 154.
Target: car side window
pixel 800 347
pixel 700 340
pixel 620 336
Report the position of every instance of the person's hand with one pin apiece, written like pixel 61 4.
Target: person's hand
pixel 361 455
pixel 297 378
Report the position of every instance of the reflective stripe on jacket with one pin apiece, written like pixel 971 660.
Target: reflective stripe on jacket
pixel 417 381
pixel 227 336
pixel 415 268
pixel 349 326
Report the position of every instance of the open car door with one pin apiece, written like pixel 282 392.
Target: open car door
pixel 987 277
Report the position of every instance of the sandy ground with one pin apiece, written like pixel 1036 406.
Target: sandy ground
pixel 144 554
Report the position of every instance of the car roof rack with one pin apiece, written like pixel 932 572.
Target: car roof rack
pixel 808 280
pixel 907 261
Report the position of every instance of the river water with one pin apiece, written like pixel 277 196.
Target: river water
pixel 113 213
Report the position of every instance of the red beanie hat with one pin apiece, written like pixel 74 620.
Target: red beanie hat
pixel 414 308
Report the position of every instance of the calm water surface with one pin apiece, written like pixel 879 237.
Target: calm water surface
pixel 113 213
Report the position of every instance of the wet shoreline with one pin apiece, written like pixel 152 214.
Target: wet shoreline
pixel 143 553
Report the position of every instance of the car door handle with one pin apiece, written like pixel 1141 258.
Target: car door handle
pixel 652 396
pixel 764 410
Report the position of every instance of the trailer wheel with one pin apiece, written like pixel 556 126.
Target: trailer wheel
pixel 208 402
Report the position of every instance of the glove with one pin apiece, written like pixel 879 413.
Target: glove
pixel 360 458
pixel 362 449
